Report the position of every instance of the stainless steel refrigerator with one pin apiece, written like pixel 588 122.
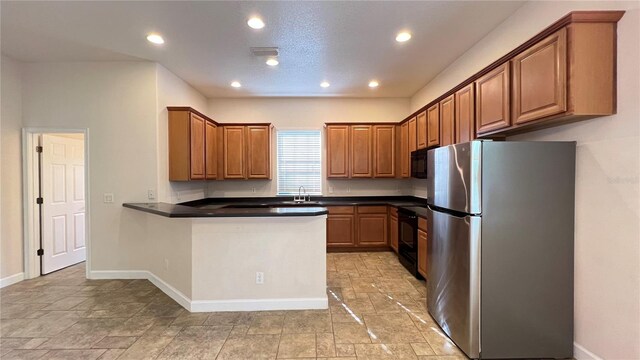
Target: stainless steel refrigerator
pixel 500 231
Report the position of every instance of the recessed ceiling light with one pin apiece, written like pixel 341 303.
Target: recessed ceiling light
pixel 255 23
pixel 155 38
pixel 373 84
pixel 403 36
pixel 236 84
pixel 325 84
pixel 272 62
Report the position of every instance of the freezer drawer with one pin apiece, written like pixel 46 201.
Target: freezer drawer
pixel 453 287
pixel 455 176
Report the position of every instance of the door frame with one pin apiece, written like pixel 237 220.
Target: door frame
pixel 30 214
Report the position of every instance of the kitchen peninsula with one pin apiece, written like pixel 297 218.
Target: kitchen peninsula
pixel 235 259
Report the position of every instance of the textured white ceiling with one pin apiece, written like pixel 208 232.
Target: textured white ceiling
pixel 207 43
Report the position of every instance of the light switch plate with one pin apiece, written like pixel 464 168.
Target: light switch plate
pixel 108 198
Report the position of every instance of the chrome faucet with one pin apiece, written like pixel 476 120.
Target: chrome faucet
pixel 301 197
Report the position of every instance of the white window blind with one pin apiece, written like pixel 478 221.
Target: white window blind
pixel 299 162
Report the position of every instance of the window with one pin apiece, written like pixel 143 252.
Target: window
pixel 299 162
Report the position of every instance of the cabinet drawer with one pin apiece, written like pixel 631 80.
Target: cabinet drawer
pixel 340 209
pixel 393 211
pixel 422 224
pixel 372 209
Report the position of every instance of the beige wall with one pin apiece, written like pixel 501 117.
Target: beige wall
pixel 607 257
pixel 117 103
pixel 11 257
pixel 309 113
pixel 173 91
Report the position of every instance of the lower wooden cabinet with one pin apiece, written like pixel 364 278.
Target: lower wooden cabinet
pixel 372 226
pixel 422 247
pixel 357 227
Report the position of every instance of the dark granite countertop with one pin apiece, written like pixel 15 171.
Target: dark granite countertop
pixel 181 211
pixel 268 206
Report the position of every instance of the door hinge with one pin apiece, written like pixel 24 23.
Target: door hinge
pixel 40 252
pixel 39 201
pixel 39 148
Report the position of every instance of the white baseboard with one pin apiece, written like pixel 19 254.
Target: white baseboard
pixel 581 353
pixel 119 275
pixel 172 292
pixel 10 280
pixel 259 304
pixel 213 305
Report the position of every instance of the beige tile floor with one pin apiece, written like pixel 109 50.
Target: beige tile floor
pixel 376 311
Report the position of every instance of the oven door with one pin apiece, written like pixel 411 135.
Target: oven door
pixel 408 240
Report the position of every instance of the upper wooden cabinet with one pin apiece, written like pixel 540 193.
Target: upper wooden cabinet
pixel 433 126
pixel 540 79
pixel 234 152
pixel 405 155
pixel 197 147
pixel 338 151
pixel 192 151
pixel 422 129
pixel 492 100
pixel 465 115
pixel 258 151
pixel 413 135
pixel 211 153
pixel 246 151
pixel 361 151
pixel 447 121
pixel 384 151
pixel 565 73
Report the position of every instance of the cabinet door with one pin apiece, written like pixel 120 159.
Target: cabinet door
pixel 413 136
pixel 433 126
pixel 258 152
pixel 372 230
pixel 211 155
pixel 465 115
pixel 393 232
pixel 540 79
pixel 361 151
pixel 422 253
pixel 422 130
pixel 197 147
pixel 337 151
pixel 492 100
pixel 234 156
pixel 340 230
pixel 405 157
pixel 384 151
pixel 447 121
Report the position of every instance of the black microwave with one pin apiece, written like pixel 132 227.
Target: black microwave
pixel 419 164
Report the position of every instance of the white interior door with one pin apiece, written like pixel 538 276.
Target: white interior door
pixel 63 201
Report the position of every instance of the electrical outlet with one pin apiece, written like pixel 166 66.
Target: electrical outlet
pixel 166 264
pixel 108 198
pixel 151 195
pixel 253 190
pixel 259 277
pixel 349 189
pixel 330 189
